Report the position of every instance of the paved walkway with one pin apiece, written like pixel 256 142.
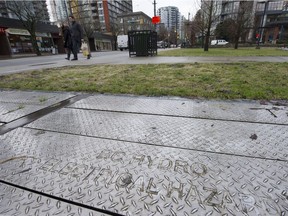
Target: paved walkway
pixel 117 57
pixel 80 154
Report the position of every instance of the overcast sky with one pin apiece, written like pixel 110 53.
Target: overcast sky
pixel 184 6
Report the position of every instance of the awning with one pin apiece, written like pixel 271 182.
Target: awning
pixel 17 31
pixel 25 32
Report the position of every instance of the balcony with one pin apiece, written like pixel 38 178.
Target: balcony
pixel 278 21
pixel 269 12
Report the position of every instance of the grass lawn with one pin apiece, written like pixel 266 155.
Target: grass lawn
pixel 264 51
pixel 223 81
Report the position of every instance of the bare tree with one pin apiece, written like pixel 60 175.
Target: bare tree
pixel 115 30
pixel 203 21
pixel 209 23
pixel 242 21
pixel 162 33
pixel 24 11
pixel 209 15
pixel 197 26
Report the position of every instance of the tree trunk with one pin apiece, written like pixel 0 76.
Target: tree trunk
pixel 115 42
pixel 236 44
pixel 206 45
pixel 237 36
pixel 238 30
pixel 34 44
pixel 202 39
pixel 207 36
pixel 240 21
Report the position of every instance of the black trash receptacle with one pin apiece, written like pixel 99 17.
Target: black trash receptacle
pixel 142 43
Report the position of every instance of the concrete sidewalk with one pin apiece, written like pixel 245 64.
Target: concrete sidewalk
pixel 78 154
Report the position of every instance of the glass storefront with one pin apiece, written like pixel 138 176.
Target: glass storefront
pixel 20 44
pixel 103 44
pixel 20 41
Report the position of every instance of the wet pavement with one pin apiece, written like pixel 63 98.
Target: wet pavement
pixel 82 154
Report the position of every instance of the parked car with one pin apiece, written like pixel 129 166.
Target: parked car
pixel 160 44
pixel 218 42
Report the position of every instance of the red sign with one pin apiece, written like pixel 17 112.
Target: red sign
pixel 2 30
pixel 156 19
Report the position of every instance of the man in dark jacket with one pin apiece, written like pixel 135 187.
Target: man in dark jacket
pixel 67 39
pixel 76 36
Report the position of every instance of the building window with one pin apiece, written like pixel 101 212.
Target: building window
pixel 275 5
pixel 260 6
pixel 285 6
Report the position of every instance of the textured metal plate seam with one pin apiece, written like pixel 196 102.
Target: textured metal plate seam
pixel 237 110
pixel 177 116
pixel 61 199
pixel 19 122
pixel 164 146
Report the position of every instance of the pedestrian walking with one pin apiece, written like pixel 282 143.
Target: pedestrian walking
pixel 76 36
pixel 86 49
pixel 67 39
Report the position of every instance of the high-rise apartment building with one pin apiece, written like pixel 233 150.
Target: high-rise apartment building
pixel 108 11
pixel 59 10
pixel 170 17
pixel 85 11
pixel 101 11
pixel 97 17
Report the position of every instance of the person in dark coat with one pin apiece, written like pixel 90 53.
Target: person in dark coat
pixel 67 39
pixel 76 35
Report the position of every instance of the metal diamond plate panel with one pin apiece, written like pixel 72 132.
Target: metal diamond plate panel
pixel 251 139
pixel 14 104
pixel 12 111
pixel 139 179
pixel 228 110
pixel 14 201
pixel 32 98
